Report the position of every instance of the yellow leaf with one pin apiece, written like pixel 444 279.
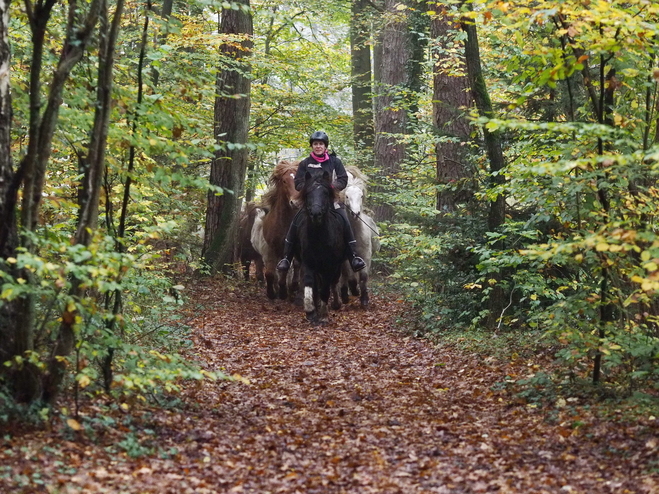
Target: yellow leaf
pixel 401 6
pixel 84 381
pixel 240 378
pixel 602 247
pixel 74 424
pixel 645 255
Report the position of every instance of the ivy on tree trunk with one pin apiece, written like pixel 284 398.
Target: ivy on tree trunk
pixel 231 125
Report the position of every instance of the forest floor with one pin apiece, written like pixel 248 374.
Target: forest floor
pixel 356 406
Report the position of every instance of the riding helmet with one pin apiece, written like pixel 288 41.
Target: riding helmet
pixel 319 135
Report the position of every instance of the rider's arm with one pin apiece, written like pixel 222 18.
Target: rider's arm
pixel 341 175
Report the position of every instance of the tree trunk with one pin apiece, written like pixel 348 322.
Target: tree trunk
pixel 165 13
pixel 94 166
pixel 13 339
pixel 32 169
pixel 492 139
pixel 232 105
pixel 360 58
pixel 390 119
pixel 496 213
pixel 451 102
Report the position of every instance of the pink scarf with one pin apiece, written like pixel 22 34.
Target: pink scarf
pixel 320 159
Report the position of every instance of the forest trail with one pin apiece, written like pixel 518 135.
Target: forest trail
pixel 352 407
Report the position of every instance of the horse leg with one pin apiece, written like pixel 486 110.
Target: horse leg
pixel 344 280
pixel 309 305
pixel 336 298
pixel 283 286
pixel 294 285
pixel 270 285
pixel 245 263
pixel 258 262
pixel 363 280
pixel 352 283
pixel 323 312
pixel 322 302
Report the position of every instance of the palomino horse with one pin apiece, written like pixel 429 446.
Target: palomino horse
pixel 281 203
pixel 246 250
pixel 366 234
pixel 322 249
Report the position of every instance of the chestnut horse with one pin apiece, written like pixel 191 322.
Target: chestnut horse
pixel 281 203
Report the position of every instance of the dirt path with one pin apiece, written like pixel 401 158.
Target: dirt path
pixel 353 407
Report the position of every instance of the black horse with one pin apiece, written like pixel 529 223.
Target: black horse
pixel 322 248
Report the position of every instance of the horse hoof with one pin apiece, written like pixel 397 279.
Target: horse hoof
pixel 312 317
pixel 364 304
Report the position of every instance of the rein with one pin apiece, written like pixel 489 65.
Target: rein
pixel 359 217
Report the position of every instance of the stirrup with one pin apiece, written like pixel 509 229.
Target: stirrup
pixel 357 264
pixel 283 265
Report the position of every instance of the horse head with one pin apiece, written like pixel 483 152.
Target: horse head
pixel 354 197
pixel 318 196
pixel 283 180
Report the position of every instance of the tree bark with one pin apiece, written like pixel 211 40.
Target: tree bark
pixel 451 102
pixel 94 166
pixel 395 52
pixel 493 147
pixel 9 182
pixel 232 105
pixel 360 57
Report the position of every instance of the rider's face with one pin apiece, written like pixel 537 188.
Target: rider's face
pixel 318 147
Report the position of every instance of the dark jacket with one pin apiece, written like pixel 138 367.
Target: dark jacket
pixel 333 165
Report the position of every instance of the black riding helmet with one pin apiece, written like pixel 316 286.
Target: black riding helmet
pixel 319 135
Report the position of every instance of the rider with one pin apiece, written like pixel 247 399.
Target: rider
pixel 318 162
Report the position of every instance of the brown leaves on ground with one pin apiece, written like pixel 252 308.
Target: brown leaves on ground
pixel 355 406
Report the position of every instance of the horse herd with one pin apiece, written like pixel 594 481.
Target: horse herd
pixel 321 256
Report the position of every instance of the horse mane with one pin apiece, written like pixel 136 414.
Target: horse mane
pixel 359 177
pixel 283 168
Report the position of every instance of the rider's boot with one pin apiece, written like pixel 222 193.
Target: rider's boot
pixel 356 262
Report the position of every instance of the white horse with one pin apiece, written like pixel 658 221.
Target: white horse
pixel 366 234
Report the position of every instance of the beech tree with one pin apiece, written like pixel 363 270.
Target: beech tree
pixel 231 123
pixel 360 51
pixel 452 101
pixel 393 53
